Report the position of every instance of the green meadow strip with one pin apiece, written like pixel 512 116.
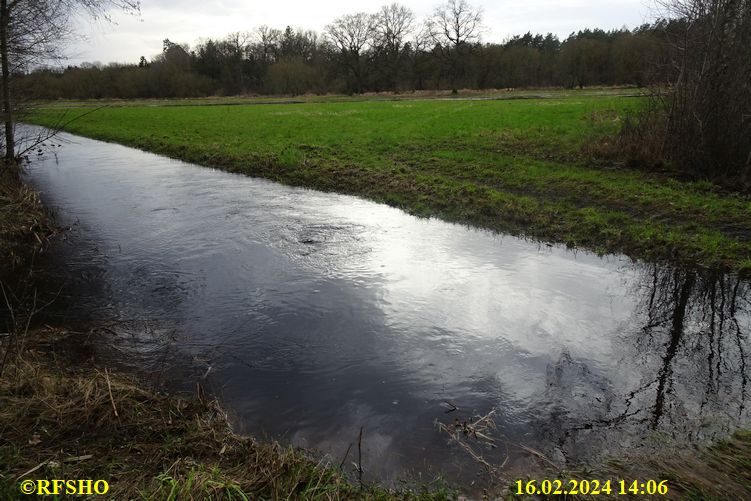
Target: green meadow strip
pixel 524 167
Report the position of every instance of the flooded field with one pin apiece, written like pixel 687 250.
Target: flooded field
pixel 314 315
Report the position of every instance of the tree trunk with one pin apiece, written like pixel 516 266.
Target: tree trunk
pixel 7 112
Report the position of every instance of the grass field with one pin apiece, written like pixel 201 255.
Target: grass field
pixel 531 166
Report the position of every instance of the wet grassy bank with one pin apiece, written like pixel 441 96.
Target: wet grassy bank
pixel 544 167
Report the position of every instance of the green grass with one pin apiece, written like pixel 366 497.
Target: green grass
pixel 524 166
pixel 530 93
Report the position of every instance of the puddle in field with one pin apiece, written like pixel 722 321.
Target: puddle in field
pixel 312 315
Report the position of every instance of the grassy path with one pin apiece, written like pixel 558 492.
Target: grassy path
pixel 518 166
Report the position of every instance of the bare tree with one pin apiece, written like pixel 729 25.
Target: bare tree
pixel 352 35
pixel 393 24
pixel 35 30
pixel 454 27
pixel 455 23
pixel 701 121
pixel 236 48
pixel 267 41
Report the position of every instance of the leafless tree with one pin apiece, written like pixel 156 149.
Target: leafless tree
pixel 453 28
pixel 393 24
pixel 702 119
pixel 352 35
pixel 455 23
pixel 266 41
pixel 36 30
pixel 239 41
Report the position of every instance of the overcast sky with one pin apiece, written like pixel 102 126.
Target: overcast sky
pixel 185 21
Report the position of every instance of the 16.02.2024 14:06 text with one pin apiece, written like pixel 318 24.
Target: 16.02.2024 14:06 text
pixel 591 487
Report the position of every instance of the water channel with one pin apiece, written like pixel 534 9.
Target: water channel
pixel 312 315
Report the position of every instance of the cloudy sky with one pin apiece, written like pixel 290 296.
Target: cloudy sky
pixel 185 21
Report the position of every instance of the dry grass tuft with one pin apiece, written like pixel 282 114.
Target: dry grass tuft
pixel 25 228
pixel 722 471
pixel 474 435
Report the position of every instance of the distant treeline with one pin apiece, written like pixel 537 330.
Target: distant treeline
pixel 365 53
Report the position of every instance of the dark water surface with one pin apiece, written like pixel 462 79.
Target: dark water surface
pixel 312 315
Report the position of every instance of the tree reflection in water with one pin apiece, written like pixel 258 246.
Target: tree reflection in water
pixel 706 319
pixel 681 369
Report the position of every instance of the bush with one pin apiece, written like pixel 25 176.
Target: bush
pixel 700 122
